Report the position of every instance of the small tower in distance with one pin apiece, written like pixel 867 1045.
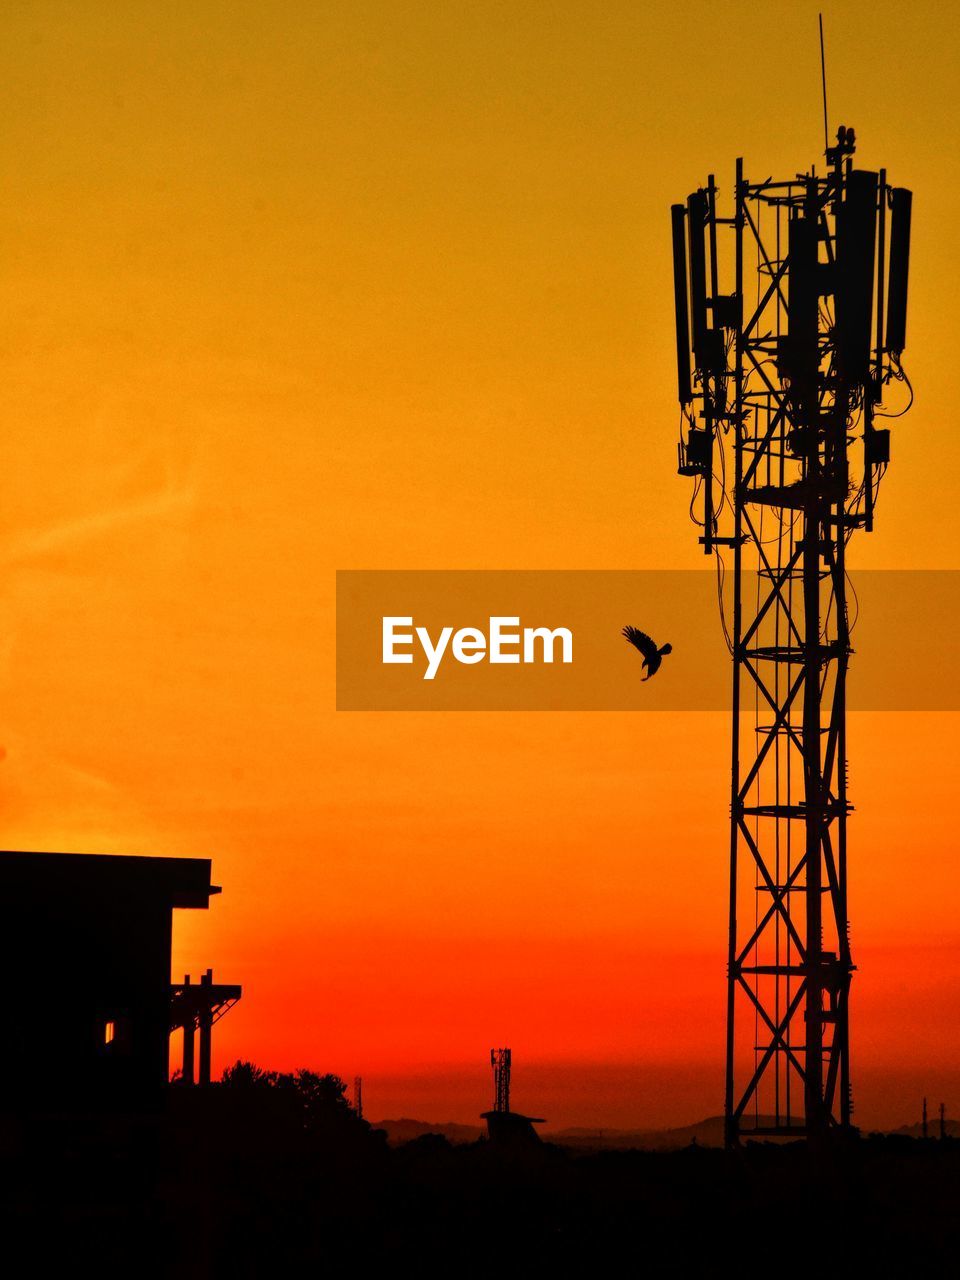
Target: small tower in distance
pixel 505 1128
pixel 500 1061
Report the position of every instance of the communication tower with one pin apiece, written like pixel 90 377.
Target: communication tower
pixel 500 1061
pixel 791 323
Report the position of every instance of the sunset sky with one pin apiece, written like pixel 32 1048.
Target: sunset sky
pixel 296 287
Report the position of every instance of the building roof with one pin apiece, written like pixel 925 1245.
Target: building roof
pixel 180 882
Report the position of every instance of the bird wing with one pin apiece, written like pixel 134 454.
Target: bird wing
pixel 640 640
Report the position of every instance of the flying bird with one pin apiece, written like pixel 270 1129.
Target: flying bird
pixel 652 656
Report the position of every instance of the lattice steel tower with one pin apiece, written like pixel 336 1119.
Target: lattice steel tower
pixel 500 1061
pixel 793 357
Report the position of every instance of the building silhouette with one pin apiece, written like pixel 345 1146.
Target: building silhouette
pixel 85 953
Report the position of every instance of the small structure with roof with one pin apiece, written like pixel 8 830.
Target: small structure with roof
pixel 507 1128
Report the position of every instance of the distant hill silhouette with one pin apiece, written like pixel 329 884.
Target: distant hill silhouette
pixel 933 1128
pixel 704 1133
pixel 405 1130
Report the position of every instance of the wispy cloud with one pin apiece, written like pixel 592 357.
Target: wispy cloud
pixel 37 543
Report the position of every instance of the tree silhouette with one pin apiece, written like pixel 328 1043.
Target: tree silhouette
pixel 318 1100
pixel 247 1075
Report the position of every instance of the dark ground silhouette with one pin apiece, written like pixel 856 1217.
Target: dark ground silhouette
pixel 273 1174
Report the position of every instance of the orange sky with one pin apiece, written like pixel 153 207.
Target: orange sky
pixel 294 288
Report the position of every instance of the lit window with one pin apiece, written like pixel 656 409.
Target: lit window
pixel 109 1031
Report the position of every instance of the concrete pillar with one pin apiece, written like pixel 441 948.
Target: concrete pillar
pixel 206 1031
